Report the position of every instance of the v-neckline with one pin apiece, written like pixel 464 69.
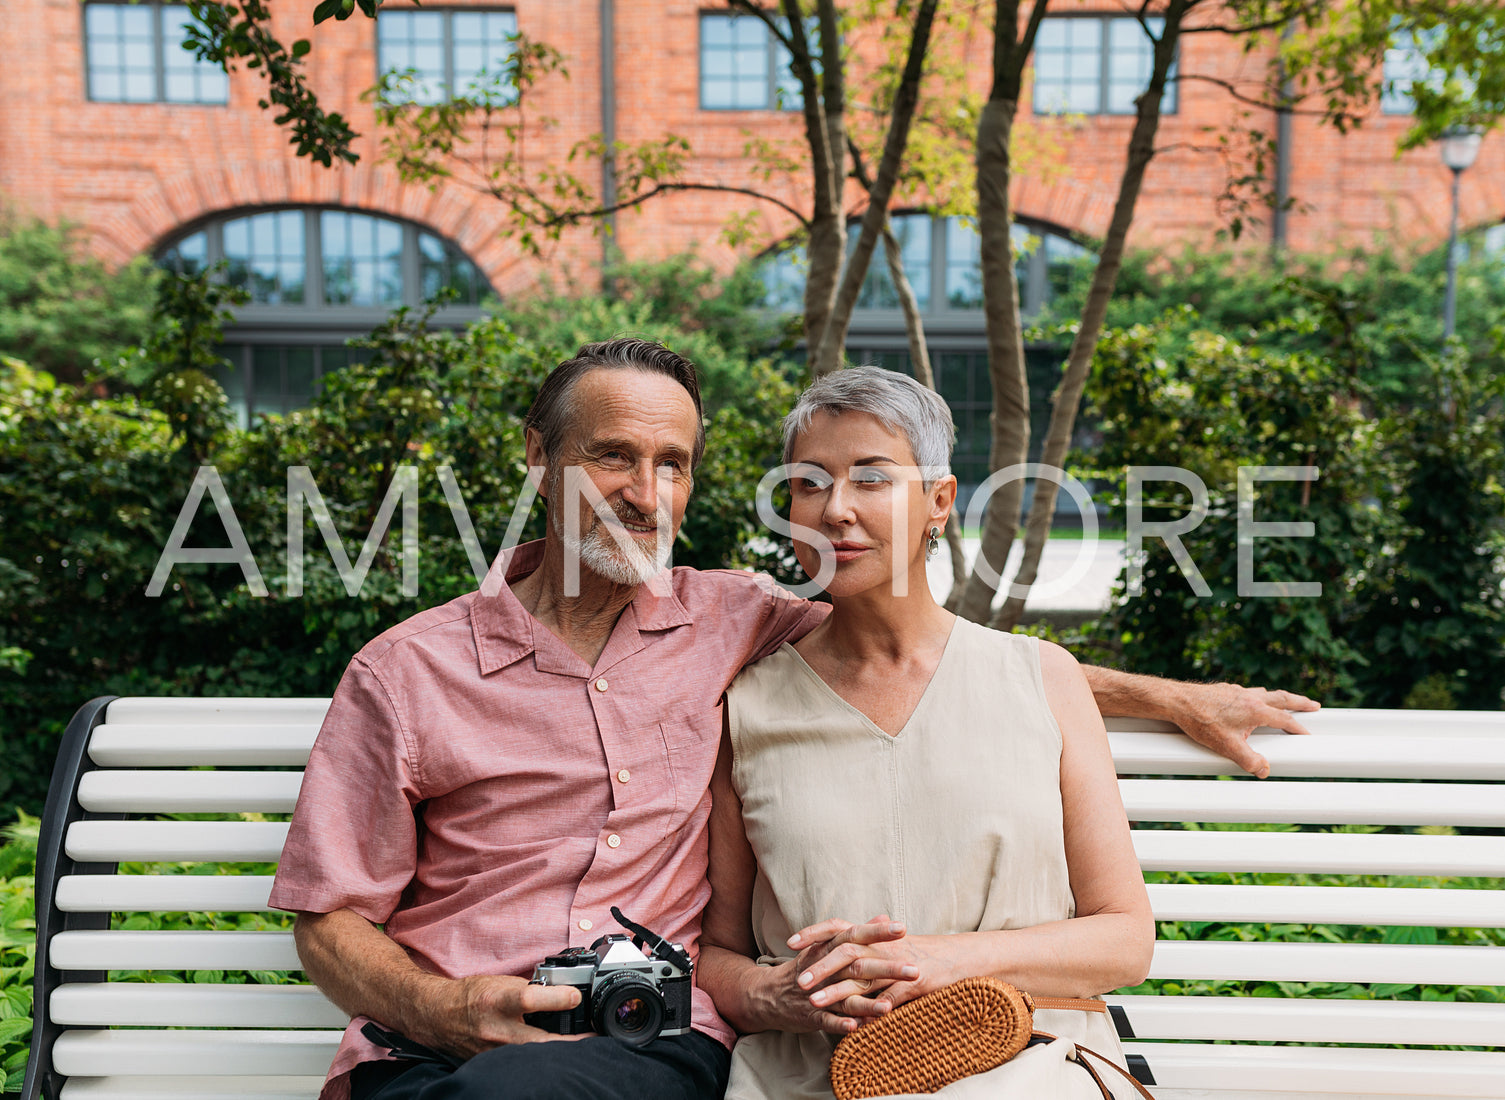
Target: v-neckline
pixel 874 727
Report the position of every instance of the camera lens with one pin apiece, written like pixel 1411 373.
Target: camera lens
pixel 628 1007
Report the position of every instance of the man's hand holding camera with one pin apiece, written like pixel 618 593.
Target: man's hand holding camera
pixel 488 1012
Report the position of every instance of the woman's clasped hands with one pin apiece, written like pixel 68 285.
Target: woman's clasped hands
pixel 847 974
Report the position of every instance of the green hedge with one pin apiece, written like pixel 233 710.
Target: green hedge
pixel 90 487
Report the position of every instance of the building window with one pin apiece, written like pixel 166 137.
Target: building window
pixel 1406 66
pixel 913 232
pixel 328 260
pixel 1095 65
pixel 278 377
pixel 743 67
pixel 134 54
pixel 317 277
pixel 943 262
pixel 265 255
pixel 445 53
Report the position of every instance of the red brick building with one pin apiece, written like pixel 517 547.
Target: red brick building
pixel 115 128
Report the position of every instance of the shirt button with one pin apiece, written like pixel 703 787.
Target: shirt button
pixel 613 841
pixel 623 776
pixel 586 925
pixel 601 684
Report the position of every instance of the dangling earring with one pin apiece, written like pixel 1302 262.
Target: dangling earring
pixel 933 544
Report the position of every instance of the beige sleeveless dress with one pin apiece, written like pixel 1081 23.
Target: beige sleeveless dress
pixel 953 825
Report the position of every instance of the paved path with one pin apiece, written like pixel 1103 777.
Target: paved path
pixel 1089 591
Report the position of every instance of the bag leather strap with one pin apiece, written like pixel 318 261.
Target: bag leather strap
pixel 1076 1004
pixel 1114 1066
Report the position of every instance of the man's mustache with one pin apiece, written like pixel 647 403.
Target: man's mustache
pixel 629 514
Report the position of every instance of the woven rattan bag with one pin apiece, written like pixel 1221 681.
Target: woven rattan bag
pixel 966 1028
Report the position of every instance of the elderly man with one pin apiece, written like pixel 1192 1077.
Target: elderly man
pixel 496 774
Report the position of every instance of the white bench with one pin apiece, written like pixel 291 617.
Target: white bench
pixel 133 758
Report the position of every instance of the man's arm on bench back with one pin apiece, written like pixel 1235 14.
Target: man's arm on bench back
pixel 1217 716
pixel 365 973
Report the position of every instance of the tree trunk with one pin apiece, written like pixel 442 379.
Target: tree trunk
pixel 906 98
pixel 825 133
pixel 1005 335
pixel 1000 292
pixel 919 358
pixel 1068 394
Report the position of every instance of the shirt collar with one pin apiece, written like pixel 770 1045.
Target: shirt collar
pixel 504 630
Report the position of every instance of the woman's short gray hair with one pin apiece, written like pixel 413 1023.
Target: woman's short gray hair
pixel 895 400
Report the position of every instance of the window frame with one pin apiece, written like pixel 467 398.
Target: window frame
pixel 1395 103
pixel 1034 281
pixel 1170 105
pixel 316 311
pixel 159 57
pixel 447 42
pixel 773 63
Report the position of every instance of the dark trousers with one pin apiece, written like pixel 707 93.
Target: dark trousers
pixel 681 1067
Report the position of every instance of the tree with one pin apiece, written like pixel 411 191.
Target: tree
pixel 1333 51
pixel 60 310
pixel 1323 52
pixel 432 141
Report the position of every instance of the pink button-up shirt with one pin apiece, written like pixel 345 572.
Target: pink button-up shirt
pixel 487 796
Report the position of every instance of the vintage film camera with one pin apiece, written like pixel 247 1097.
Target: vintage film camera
pixel 633 988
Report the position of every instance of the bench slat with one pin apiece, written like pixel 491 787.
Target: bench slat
pixel 1273 1019
pixel 1404 964
pixel 129 791
pixel 192 1088
pixel 1283 1094
pixel 1329 905
pixel 170 1004
pixel 1158 849
pixel 175 1053
pixel 1361 722
pixel 1333 1070
pixel 227 711
pixel 1318 803
pixel 1320 853
pixel 1402 755
pixel 174 951
pixel 1257 904
pixel 163 893
pixel 223 841
pixel 116 745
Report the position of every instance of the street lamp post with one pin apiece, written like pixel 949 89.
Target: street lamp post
pixel 1460 145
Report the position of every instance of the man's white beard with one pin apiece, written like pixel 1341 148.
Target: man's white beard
pixel 629 564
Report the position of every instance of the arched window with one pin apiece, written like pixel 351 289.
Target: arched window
pixel 316 277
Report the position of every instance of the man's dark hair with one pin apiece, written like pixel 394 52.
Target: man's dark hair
pixel 553 409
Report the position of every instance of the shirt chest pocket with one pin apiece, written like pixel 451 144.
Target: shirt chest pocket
pixel 690 745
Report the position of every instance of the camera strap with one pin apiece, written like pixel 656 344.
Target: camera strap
pixel 402 1048
pixel 660 945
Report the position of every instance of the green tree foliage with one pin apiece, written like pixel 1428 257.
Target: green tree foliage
pixel 714 320
pixel 1387 305
pixel 18 858
pixel 231 33
pixel 91 485
pixel 61 310
pixel 1214 407
pixel 1407 513
pixel 1435 606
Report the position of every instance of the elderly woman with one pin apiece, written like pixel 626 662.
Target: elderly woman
pixel 904 798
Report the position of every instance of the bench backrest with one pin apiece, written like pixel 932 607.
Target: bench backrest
pixel 1387 797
